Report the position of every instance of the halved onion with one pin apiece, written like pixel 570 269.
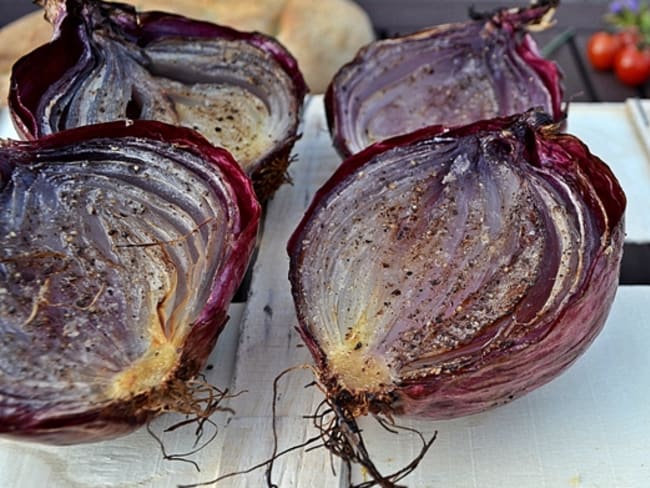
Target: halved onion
pixel 242 91
pixel 121 246
pixel 452 74
pixel 447 271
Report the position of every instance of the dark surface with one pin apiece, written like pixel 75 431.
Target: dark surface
pixel 575 22
pixel 12 9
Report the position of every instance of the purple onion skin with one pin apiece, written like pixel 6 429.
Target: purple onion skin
pixel 395 86
pixel 46 83
pixel 62 352
pixel 429 307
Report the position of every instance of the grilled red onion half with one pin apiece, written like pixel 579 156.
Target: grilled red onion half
pixel 242 91
pixel 121 246
pixel 452 74
pixel 448 271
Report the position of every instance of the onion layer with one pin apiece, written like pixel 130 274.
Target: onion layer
pixel 121 248
pixel 452 74
pixel 242 91
pixel 447 271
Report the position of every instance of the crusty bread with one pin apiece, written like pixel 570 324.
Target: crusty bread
pixel 321 34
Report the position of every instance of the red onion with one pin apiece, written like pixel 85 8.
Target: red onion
pixel 106 62
pixel 451 74
pixel 121 246
pixel 447 271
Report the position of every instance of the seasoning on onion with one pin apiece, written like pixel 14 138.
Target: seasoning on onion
pixel 121 246
pixel 242 91
pixel 448 271
pixel 452 74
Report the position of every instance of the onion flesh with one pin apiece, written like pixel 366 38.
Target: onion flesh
pixel 447 271
pixel 121 248
pixel 106 62
pixel 451 74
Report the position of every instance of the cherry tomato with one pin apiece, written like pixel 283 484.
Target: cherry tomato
pixel 629 36
pixel 602 49
pixel 632 65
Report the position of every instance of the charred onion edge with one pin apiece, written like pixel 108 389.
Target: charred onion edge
pixel 125 416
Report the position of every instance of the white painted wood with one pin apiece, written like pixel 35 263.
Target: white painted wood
pixel 639 112
pixel 7 129
pixel 587 429
pixel 269 343
pixel 610 132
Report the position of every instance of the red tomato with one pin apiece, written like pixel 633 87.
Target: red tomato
pixel 602 49
pixel 632 65
pixel 629 36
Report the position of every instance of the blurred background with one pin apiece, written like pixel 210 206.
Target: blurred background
pixel 12 9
